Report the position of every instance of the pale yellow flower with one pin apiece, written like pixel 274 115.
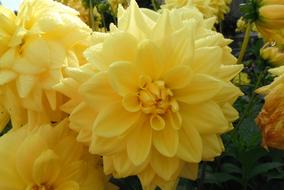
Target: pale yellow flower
pixel 48 158
pixel 209 8
pixel 270 20
pixel 273 54
pixel 44 37
pixel 160 94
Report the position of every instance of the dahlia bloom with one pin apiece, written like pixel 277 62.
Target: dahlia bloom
pixel 159 96
pixel 44 37
pixel 271 118
pixel 269 19
pixel 273 55
pixel 209 8
pixel 49 158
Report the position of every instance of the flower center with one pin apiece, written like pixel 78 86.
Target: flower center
pixel 154 97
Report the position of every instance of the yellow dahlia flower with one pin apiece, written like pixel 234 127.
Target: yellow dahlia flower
pixel 273 55
pixel 209 8
pixel 44 37
pixel 160 94
pixel 269 19
pixel 270 119
pixel 47 158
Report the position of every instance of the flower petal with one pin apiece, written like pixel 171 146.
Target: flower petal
pixel 212 147
pixel 178 77
pixel 114 120
pixel 68 185
pixel 206 118
pixel 200 89
pixel 97 91
pixel 207 60
pixel 157 122
pixel 148 59
pixel 139 143
pixel 6 76
pixel 190 144
pixel 166 140
pixel 46 167
pixel 123 77
pixel 164 167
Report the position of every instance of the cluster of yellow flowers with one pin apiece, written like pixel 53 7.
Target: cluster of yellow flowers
pixel 209 8
pixel 149 98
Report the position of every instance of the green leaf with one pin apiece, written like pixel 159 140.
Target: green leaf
pixel 220 177
pixel 231 168
pixel 263 168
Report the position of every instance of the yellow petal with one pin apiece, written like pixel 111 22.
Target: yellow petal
pixel 123 77
pixel 46 167
pixel 200 89
pixel 228 72
pixel 212 147
pixel 25 84
pixel 139 143
pixel 117 47
pixel 190 144
pixel 148 59
pixel 131 103
pixel 166 140
pixel 27 153
pixel 178 77
pixel 107 146
pixel 6 76
pixel 190 171
pixel 157 122
pixel 97 91
pixel 68 185
pixel 208 64
pixel 114 120
pixel 206 118
pixel 163 166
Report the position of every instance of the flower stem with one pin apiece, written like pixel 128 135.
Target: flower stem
pixel 91 15
pixel 244 44
pixel 154 5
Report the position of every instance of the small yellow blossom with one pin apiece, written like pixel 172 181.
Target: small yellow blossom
pixel 157 93
pixel 273 54
pixel 241 79
pixel 48 158
pixel 44 37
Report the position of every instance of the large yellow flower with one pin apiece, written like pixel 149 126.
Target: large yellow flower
pixel 209 8
pixel 48 158
pixel 160 94
pixel 44 37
